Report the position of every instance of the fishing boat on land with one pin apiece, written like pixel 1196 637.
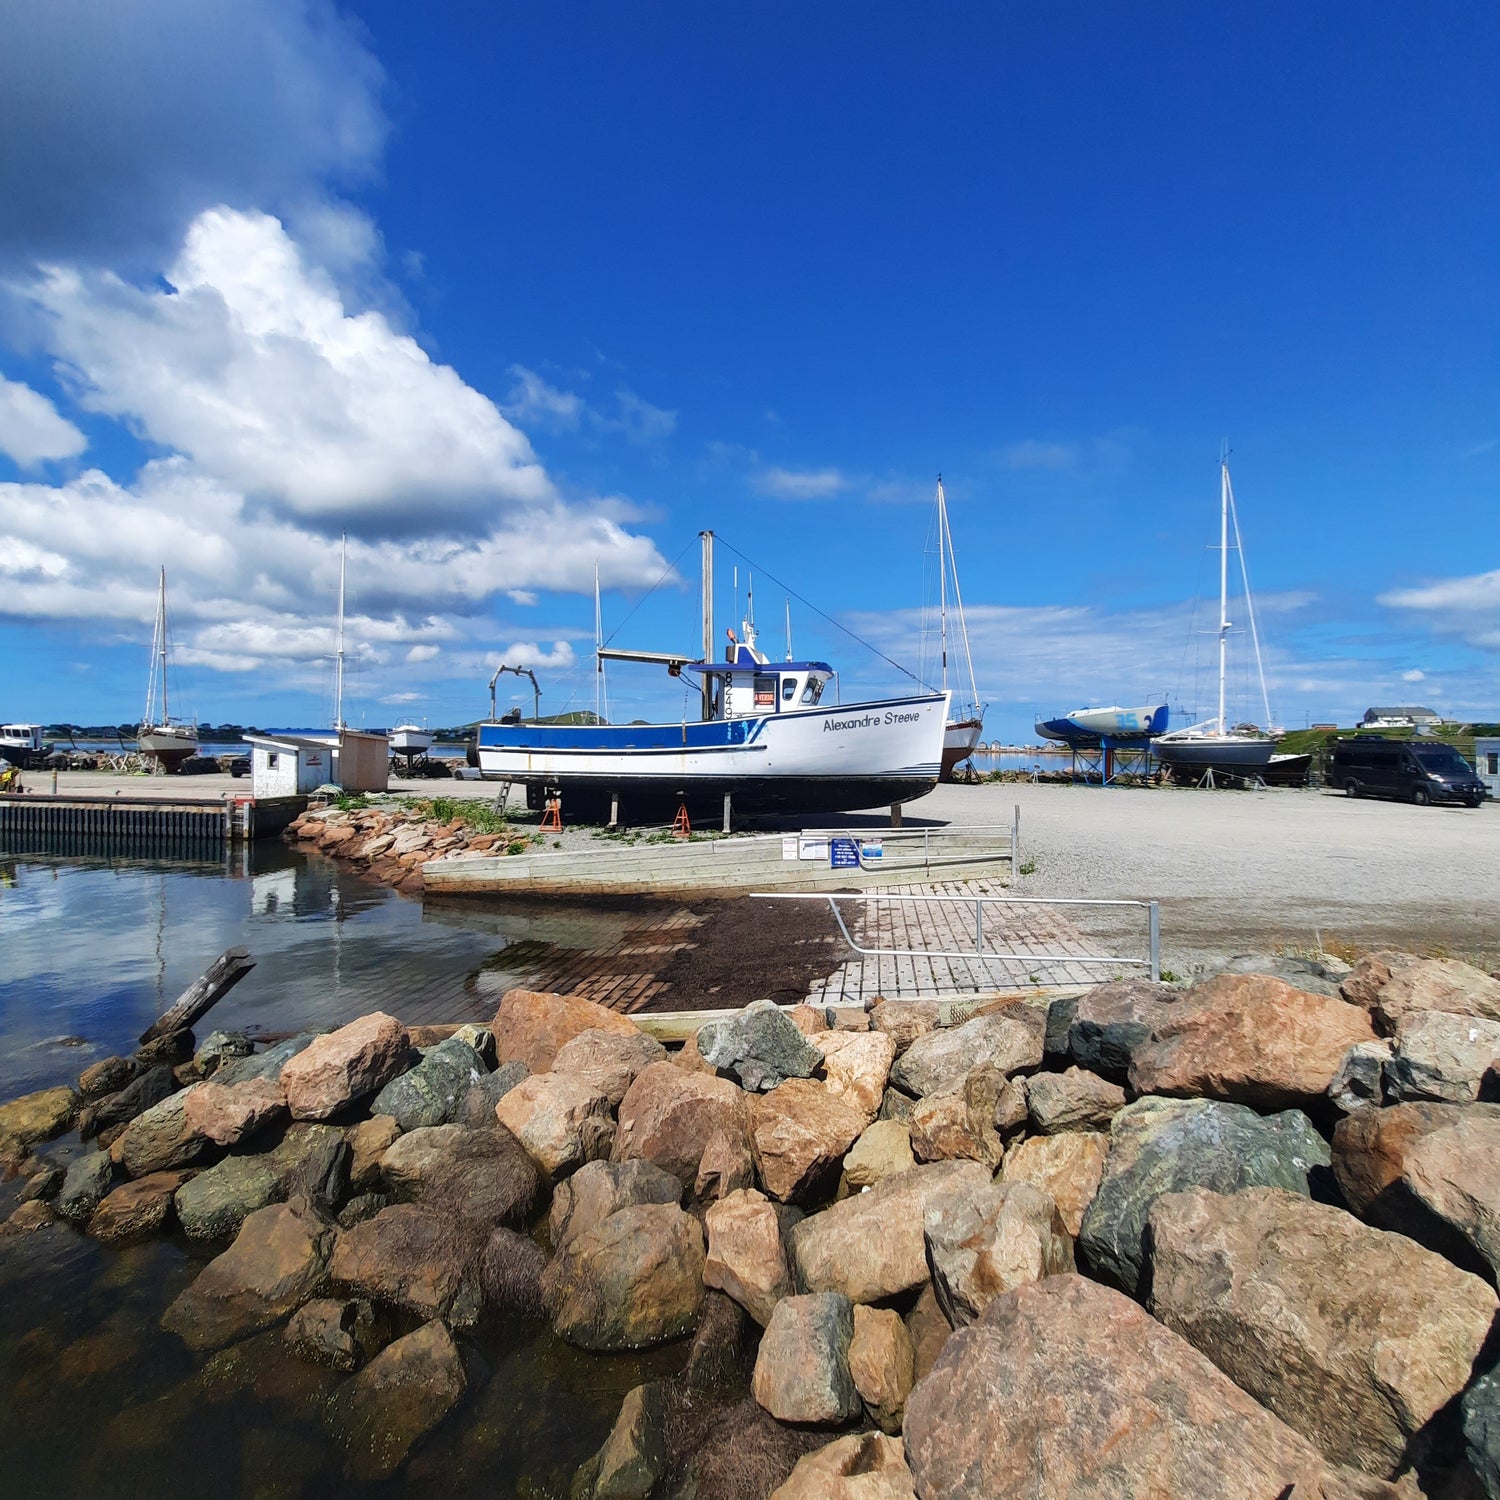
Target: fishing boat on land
pixel 768 739
pixel 21 745
pixel 1092 727
pixel 966 721
pixel 162 738
pixel 410 740
pixel 1199 751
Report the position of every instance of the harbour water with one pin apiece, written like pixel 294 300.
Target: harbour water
pixel 99 1399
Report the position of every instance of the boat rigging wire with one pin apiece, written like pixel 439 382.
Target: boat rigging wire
pixel 808 604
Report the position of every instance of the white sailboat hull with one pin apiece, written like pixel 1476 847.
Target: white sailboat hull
pixel 960 736
pixel 168 743
pixel 408 739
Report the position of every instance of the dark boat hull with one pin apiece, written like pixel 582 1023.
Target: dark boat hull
pixel 645 797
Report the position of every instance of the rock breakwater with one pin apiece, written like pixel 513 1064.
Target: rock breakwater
pixel 911 1261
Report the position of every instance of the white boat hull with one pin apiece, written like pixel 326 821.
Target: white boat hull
pixel 407 739
pixel 960 736
pixel 824 759
pixel 168 744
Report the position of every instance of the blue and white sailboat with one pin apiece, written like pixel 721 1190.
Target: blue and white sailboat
pixel 1093 726
pixel 767 738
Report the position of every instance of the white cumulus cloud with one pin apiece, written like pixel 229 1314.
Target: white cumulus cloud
pixel 31 428
pixel 800 484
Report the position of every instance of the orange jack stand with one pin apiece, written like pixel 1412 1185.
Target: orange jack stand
pixel 552 818
pixel 680 825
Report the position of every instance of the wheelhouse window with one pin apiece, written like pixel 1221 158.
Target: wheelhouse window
pixel 788 689
pixel 813 691
pixel 765 691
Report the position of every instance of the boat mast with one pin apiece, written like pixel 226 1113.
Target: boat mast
pixel 1239 546
pixel 598 643
pixel 156 647
pixel 951 561
pixel 161 623
pixel 1223 576
pixel 707 538
pixel 942 509
pixel 338 678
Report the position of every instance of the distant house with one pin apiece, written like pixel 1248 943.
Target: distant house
pixel 1400 718
pixel 1487 762
pixel 1326 728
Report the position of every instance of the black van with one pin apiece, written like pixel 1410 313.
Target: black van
pixel 1419 771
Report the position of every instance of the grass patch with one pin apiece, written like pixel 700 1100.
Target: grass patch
pixel 474 813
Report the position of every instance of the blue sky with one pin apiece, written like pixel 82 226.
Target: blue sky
pixel 507 292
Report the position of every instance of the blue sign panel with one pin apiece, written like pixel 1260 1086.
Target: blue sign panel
pixel 843 854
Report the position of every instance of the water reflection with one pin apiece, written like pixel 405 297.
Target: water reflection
pixel 98 948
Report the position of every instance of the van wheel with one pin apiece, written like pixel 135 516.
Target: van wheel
pixel 1351 788
pixel 1421 796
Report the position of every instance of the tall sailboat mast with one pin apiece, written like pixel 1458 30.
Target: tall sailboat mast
pixel 338 677
pixel 707 539
pixel 942 505
pixel 1223 576
pixel 161 630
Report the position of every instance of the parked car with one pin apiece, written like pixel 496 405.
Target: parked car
pixel 1420 771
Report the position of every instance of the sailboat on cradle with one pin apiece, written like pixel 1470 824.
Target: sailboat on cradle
pixel 966 724
pixel 1212 746
pixel 161 738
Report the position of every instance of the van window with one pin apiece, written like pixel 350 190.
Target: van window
pixel 1443 759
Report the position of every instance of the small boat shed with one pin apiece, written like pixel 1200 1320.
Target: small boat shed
pixel 292 765
pixel 1487 762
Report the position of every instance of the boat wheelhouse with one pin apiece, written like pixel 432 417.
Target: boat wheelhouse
pixel 21 744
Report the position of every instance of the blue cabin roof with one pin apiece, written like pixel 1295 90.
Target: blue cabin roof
pixel 745 661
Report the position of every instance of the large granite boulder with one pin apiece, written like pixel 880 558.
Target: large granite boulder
pixel 1481 1413
pixel 990 1242
pixel 311 1161
pixel 799 1133
pixel 857 1065
pixel 1441 1057
pixel 107 1076
pixel 340 1333
pixel 1251 1039
pixel 601 1188
pixel 381 1414
pixel 213 1205
pixel 434 1092
pixel 882 1150
pixel 746 1256
pixel 1391 985
pixel 1067 1167
pixel 278 1261
pixel 138 1095
pixel 161 1138
pixel 802 1368
pixel 1072 1100
pixel 882 1362
pixel 862 1466
pixel 1360 1077
pixel 938 1061
pixel 634 1455
pixel 727 1165
pixel 1066 1389
pixel 1112 1020
pixel 136 1210
pixel 560 1120
pixel 83 1188
pixel 669 1114
pixel 960 1123
pixel 221 1047
pixel 608 1061
pixel 1355 1337
pixel 633 1280
pixel 227 1113
pixel 904 1020
pixel 480 1177
pixel 350 1064
pixel 41 1116
pixel 1161 1146
pixel 760 1046
pixel 415 1258
pixel 480 1101
pixel 1454 1172
pixel 369 1140
pixel 531 1026
pixel 870 1246
pixel 1315 976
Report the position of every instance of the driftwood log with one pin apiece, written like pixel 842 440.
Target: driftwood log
pixel 222 975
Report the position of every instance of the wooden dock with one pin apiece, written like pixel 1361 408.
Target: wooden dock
pixel 36 821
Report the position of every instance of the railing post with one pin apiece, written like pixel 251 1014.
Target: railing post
pixel 979 924
pixel 1015 844
pixel 1155 918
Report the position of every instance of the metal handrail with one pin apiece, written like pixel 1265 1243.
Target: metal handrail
pixel 927 862
pixel 1153 919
